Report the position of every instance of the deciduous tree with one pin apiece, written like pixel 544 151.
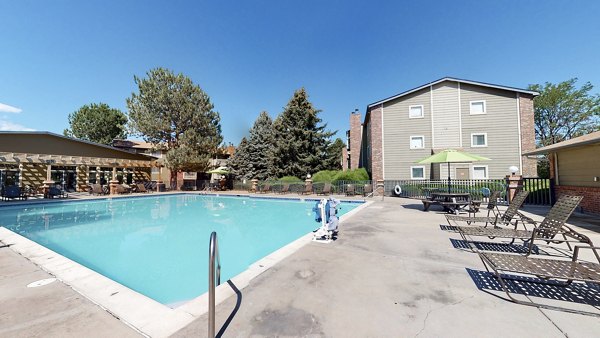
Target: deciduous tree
pixel 97 122
pixel 563 111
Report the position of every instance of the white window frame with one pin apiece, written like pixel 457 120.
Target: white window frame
pixel 479 146
pixel 477 101
pixel 422 111
pixel 415 167
pixel 487 171
pixel 422 137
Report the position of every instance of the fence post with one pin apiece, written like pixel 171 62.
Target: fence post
pixel 552 191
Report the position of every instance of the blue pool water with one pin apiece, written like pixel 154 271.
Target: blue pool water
pixel 158 246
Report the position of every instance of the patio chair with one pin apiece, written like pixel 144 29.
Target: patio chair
pixel 551 272
pixel 12 192
pixel 368 190
pixel 140 187
pixel 96 189
pixel 307 190
pixel 56 192
pixel 326 189
pixel 504 219
pixel 552 226
pixel 350 190
pixel 265 188
pixel 284 188
pixel 122 189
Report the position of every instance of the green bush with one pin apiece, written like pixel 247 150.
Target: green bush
pixel 324 176
pixel 359 174
pixel 290 179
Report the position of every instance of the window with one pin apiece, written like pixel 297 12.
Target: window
pixel 477 107
pixel 417 173
pixel 417 142
pixel 479 140
pixel 480 172
pixel 415 112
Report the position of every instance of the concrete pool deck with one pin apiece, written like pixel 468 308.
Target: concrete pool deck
pixel 392 272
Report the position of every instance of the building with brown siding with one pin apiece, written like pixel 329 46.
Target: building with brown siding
pixel 575 169
pixel 485 119
pixel 34 158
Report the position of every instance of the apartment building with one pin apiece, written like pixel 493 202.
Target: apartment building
pixel 485 119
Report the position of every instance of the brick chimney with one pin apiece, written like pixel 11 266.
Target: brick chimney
pixel 355 138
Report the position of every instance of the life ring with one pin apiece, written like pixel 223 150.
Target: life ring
pixel 397 190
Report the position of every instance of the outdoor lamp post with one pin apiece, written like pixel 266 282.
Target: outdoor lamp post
pixel 514 181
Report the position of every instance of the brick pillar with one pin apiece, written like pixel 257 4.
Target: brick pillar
pixel 529 168
pixel 376 143
pixel 355 139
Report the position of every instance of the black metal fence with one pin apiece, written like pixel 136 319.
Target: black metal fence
pixel 540 190
pixel 423 188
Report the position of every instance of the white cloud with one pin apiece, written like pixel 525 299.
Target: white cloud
pixel 4 108
pixel 9 126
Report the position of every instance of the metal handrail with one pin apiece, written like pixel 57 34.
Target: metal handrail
pixel 213 252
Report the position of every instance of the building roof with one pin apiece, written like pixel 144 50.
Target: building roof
pixel 477 83
pixel 591 138
pixel 132 144
pixel 38 142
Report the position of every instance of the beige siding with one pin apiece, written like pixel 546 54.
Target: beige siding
pixel 446 124
pixel 500 122
pixel 452 122
pixel 398 128
pixel 579 166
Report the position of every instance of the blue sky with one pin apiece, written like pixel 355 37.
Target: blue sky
pixel 250 56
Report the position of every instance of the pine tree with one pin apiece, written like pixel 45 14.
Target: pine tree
pixel 259 148
pixel 300 140
pixel 238 163
pixel 334 155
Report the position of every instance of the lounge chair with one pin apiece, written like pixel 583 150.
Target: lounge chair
pixel 284 188
pixel 265 188
pixel 368 190
pixel 96 189
pixel 122 189
pixel 140 187
pixel 505 219
pixel 350 190
pixel 326 189
pixel 552 272
pixel 56 192
pixel 12 192
pixel 307 190
pixel 552 226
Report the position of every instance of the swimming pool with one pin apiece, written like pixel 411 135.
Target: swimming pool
pixel 158 245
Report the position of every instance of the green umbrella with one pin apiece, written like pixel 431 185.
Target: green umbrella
pixel 219 170
pixel 452 156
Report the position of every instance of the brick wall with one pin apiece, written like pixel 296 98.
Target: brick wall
pixel 344 158
pixel 527 134
pixel 355 139
pixel 376 143
pixel 591 197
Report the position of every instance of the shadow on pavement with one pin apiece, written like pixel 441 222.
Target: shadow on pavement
pixel 582 293
pixel 238 304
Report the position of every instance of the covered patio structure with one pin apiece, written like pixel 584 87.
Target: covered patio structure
pixel 39 160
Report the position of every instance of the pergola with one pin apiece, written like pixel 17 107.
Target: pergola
pixel 50 159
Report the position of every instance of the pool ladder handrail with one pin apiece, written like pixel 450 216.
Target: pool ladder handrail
pixel 213 275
